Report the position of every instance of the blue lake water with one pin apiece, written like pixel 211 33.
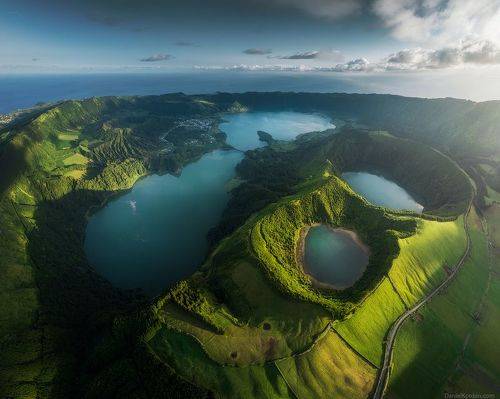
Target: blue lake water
pixel 334 257
pixel 242 128
pixel 155 234
pixel 382 192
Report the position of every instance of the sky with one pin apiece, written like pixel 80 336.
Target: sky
pixel 460 37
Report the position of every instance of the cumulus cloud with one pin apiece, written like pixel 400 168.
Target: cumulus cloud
pixel 331 9
pixel 482 52
pixel 356 65
pixel 440 22
pixel 257 51
pixel 330 55
pixel 157 57
pixel 307 55
pixel 470 52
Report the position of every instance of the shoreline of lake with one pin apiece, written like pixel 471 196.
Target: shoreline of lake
pixel 300 254
pixel 121 270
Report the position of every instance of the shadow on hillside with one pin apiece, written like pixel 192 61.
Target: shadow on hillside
pixel 12 165
pixel 75 301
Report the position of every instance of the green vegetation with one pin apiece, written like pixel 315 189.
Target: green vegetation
pixel 229 382
pixel 365 330
pixel 446 322
pixel 329 368
pixel 479 370
pixel 51 297
pixel 249 323
pixel 426 258
pixel 458 127
pixel 273 172
pixel 229 327
pixel 275 325
pixel 67 137
pixel 76 159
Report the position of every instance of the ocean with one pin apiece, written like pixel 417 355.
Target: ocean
pixel 21 90
pixel 25 90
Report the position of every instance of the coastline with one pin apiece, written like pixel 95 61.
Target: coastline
pixel 300 252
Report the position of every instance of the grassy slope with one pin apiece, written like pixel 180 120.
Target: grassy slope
pixel 331 368
pixel 229 382
pixel 420 365
pixel 366 328
pixel 420 265
pixel 480 370
pixel 292 325
pixel 413 274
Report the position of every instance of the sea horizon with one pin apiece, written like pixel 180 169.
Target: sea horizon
pixel 24 90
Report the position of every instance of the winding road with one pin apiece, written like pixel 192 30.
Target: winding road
pixel 384 372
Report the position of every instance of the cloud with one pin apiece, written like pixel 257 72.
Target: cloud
pixel 331 55
pixel 307 55
pixel 356 65
pixel 257 51
pixel 157 57
pixel 256 67
pixel 470 52
pixel 480 52
pixel 440 22
pixel 331 9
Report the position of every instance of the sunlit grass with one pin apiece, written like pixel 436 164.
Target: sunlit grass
pixel 428 346
pixel 420 265
pixel 188 359
pixel 366 329
pixel 330 369
pixel 76 159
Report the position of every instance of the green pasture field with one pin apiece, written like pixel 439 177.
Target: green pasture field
pixel 275 328
pixel 428 346
pixel 366 328
pixel 189 360
pixel 421 263
pixel 329 369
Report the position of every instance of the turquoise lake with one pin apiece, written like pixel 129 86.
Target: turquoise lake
pixel 382 192
pixel 241 129
pixel 333 256
pixel 155 234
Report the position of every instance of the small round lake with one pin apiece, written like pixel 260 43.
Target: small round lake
pixel 155 234
pixel 334 257
pixel 380 191
pixel 242 128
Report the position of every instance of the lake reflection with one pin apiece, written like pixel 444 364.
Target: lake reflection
pixel 380 191
pixel 334 257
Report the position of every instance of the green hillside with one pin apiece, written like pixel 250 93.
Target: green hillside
pixel 249 323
